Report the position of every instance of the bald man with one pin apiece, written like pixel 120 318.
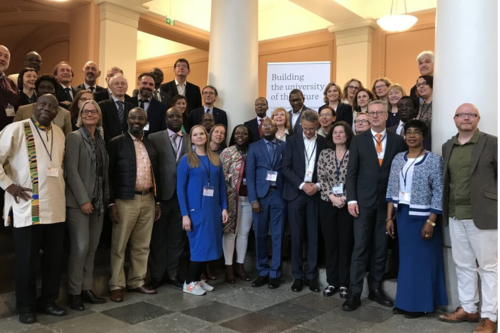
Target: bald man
pixel 91 73
pixel 32 60
pixel 470 209
pixel 9 98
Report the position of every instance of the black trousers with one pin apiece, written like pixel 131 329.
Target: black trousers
pixel 167 241
pixel 370 246
pixel 338 234
pixel 195 270
pixel 303 217
pixel 28 242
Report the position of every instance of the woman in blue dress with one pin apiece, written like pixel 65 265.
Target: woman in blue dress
pixel 201 191
pixel 415 190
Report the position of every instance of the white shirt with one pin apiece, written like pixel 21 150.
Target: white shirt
pixel 310 150
pixel 13 149
pixel 87 87
pixel 295 116
pixel 400 128
pixel 407 172
pixel 181 88
pixel 147 102
pixel 384 141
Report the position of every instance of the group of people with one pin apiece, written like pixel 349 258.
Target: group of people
pixel 356 173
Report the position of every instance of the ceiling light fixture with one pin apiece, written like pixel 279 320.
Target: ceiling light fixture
pixel 397 23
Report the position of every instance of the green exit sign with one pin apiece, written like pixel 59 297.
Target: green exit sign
pixel 170 21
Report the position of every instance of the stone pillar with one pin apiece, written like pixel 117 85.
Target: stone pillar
pixel 118 36
pixel 466 70
pixel 354 50
pixel 233 58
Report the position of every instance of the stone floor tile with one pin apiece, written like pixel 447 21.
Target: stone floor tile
pixel 12 325
pixel 332 323
pixel 249 301
pixel 292 313
pixel 366 314
pixel 256 322
pixel 95 323
pixel 215 312
pixel 46 319
pixel 299 329
pixel 217 329
pixel 175 323
pixel 178 301
pixel 137 312
pixel 129 298
pixel 130 329
pixel 318 302
pixel 39 330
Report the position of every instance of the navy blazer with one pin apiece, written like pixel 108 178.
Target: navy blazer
pixel 192 93
pixel 294 164
pixel 156 115
pixel 298 127
pixel 97 87
pixel 257 166
pixel 195 116
pixel 110 121
pixel 254 128
pixel 61 95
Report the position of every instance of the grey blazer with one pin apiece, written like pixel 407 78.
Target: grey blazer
pixel 483 185
pixel 168 162
pixel 80 171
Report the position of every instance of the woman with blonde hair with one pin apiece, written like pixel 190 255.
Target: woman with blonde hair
pixel 381 88
pixel 332 97
pixel 282 120
pixel 202 198
pixel 394 94
pixel 351 87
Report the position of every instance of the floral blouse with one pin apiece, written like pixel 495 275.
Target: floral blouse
pixel 328 172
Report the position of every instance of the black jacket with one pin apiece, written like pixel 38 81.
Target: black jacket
pixel 344 112
pixel 192 94
pixel 123 167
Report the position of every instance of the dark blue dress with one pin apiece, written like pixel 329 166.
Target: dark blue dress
pixel 205 237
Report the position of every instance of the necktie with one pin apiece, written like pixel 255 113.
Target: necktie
pixel 141 103
pixel 68 95
pixel 156 95
pixel 208 111
pixel 270 150
pixel 260 127
pixel 121 114
pixel 402 132
pixel 91 89
pixel 379 147
pixel 173 139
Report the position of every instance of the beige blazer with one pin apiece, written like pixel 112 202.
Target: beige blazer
pixel 63 118
pixel 483 184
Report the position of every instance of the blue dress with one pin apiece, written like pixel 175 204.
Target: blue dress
pixel 205 237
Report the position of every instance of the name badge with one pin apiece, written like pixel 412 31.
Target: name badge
pixel 338 189
pixel 272 176
pixel 146 128
pixel 208 191
pixel 52 172
pixel 406 196
pixel 309 176
pixel 9 111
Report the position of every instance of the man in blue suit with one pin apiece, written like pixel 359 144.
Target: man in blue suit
pixel 265 184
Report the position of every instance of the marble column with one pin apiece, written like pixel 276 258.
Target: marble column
pixel 233 58
pixel 466 71
pixel 118 36
pixel 354 50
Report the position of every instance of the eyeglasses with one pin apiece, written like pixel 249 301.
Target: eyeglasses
pixel 353 87
pixel 326 115
pixel 208 93
pixel 260 104
pixel 181 66
pixel 469 115
pixel 380 86
pixel 414 132
pixel 421 84
pixel 309 130
pixel 84 99
pixel 87 112
pixel 268 126
pixel 361 121
pixel 375 113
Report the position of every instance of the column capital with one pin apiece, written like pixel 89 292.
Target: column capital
pixel 353 32
pixel 126 12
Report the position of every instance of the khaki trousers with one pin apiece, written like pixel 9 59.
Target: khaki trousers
pixel 136 223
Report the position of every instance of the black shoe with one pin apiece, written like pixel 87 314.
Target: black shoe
pixel 155 284
pixel 75 302
pixel 89 297
pixel 297 285
pixel 314 286
pixel 329 291
pixel 352 302
pixel 306 281
pixel 260 281
pixel 52 309
pixel 413 315
pixel 344 292
pixel 273 283
pixel 398 311
pixel 27 317
pixel 380 297
pixel 175 282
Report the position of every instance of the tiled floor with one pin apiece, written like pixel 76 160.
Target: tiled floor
pixel 232 308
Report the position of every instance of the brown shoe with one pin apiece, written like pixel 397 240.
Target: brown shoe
pixel 460 315
pixel 144 290
pixel 116 295
pixel 486 326
pixel 239 271
pixel 230 274
pixel 207 274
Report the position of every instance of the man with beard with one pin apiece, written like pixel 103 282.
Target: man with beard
pixel 133 173
pixel 31 60
pixel 156 110
pixel 91 72
pixel 158 94
pixel 255 124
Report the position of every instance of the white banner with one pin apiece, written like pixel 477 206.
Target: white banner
pixel 310 77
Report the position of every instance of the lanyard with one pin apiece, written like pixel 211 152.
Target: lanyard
pixel 405 175
pixel 381 140
pixel 309 157
pixel 207 170
pixel 44 145
pixel 337 166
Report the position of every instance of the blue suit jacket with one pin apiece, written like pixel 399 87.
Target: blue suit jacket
pixel 258 163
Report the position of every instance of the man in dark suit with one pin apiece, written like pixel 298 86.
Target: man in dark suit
pixel 209 97
pixel 156 111
pixel 167 242
pixel 302 193
pixel 296 99
pixel 158 95
pixel 265 187
pixel 115 110
pixel 255 124
pixel 370 157
pixel 470 209
pixel 106 94
pixel 179 86
pixel 90 72
pixel 64 76
pixel 407 110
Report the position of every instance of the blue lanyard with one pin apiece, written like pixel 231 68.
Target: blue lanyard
pixel 309 157
pixel 207 170
pixel 337 166
pixel 405 175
